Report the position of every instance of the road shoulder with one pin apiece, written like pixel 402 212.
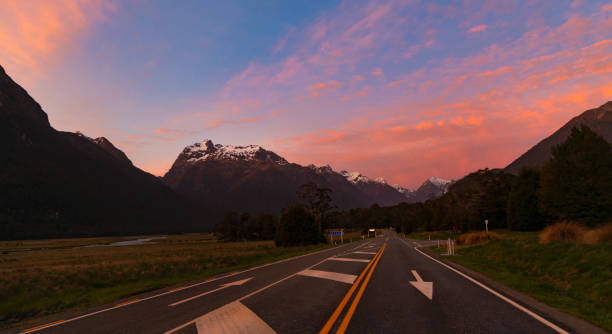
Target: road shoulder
pixel 576 324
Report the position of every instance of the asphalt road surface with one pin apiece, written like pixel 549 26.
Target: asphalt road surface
pixel 380 285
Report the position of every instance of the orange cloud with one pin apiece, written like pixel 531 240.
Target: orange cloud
pixel 377 71
pixel 34 34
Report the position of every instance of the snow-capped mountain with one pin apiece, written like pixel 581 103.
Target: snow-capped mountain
pixel 377 189
pixel 221 178
pixel 206 150
pixel 433 187
pixel 402 190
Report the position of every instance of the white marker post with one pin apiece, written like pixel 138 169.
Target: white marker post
pixel 487 226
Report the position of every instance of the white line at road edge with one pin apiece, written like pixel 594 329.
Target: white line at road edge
pixel 504 298
pixel 36 329
pixel 262 289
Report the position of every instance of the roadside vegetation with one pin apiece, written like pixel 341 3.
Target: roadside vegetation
pixel 44 277
pixel 567 273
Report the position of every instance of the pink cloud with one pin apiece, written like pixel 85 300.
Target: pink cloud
pixel 377 71
pixel 478 28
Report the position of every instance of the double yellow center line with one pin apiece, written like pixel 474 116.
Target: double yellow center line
pixel 367 273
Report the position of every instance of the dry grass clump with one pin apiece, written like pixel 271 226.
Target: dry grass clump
pixel 476 238
pixel 600 234
pixel 563 232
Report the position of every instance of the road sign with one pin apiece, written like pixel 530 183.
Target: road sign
pixel 339 232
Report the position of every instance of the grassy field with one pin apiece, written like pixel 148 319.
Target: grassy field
pixel 576 278
pixel 41 278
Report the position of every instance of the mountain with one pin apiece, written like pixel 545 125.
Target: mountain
pixel 377 190
pixel 433 187
pixel 598 119
pixel 220 178
pixel 56 184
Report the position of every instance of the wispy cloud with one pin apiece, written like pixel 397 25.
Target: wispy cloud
pixel 478 28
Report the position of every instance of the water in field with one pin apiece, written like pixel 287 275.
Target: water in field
pixel 135 242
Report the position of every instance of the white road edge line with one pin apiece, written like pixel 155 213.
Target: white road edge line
pixel 182 288
pixel 260 290
pixel 497 294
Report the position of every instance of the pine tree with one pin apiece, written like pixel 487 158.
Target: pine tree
pixel 577 181
pixel 523 203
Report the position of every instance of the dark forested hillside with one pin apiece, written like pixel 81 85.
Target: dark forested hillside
pixel 55 183
pixel 598 120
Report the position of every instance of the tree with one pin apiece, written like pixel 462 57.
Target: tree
pixel 577 180
pixel 523 203
pixel 318 202
pixel 297 227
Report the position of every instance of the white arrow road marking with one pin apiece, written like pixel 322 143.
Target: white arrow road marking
pixel 426 288
pixel 348 259
pixel 340 277
pixel 234 318
pixel 240 282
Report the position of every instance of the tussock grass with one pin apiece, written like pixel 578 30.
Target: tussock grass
pixel 600 234
pixel 40 278
pixel 469 239
pixel 563 232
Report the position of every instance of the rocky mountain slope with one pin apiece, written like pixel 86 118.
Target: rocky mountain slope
pixel 598 119
pixel 55 183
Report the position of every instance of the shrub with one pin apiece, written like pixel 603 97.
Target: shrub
pixel 563 232
pixel 476 238
pixel 600 234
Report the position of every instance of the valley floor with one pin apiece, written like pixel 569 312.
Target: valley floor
pixel 39 278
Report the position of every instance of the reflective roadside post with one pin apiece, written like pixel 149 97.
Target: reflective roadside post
pixel 487 226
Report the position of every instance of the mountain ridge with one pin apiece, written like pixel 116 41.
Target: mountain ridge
pixel 597 119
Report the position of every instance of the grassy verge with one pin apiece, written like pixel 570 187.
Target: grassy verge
pixel 48 277
pixel 434 235
pixel 576 278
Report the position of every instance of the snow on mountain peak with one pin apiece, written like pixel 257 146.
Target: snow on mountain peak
pixel 207 150
pixel 438 181
pixel 326 169
pixel 354 177
pixel 401 189
pixel 380 179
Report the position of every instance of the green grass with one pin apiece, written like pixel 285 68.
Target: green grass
pixel 51 278
pixel 576 278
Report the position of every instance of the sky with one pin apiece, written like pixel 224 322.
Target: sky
pixel 399 89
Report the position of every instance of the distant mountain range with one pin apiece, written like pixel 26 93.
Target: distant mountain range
pixel 598 119
pixel 220 178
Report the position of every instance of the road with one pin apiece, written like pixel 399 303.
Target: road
pixel 380 285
